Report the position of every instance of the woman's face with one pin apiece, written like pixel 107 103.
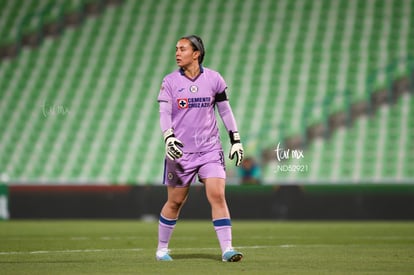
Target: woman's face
pixel 184 53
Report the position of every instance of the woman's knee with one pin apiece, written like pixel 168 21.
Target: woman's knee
pixel 216 197
pixel 176 204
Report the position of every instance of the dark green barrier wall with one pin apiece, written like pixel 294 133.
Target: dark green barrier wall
pixel 389 202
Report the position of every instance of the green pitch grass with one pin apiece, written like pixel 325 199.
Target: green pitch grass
pixel 128 247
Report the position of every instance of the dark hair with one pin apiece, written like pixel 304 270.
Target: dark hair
pixel 197 45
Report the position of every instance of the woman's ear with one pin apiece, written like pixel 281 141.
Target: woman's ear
pixel 196 54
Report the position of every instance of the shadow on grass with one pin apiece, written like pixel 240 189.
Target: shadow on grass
pixel 196 256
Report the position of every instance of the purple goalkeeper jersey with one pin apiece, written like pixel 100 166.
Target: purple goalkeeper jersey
pixel 192 114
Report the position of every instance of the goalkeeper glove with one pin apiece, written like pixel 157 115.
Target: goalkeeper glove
pixel 172 145
pixel 236 147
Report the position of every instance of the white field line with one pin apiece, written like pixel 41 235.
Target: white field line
pixel 65 251
pixel 187 248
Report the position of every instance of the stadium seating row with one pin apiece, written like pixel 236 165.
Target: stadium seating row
pixel 82 107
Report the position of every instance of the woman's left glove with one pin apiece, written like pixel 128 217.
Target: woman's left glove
pixel 236 149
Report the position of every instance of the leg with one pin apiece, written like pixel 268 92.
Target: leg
pixel 215 191
pixel 168 218
pixel 177 196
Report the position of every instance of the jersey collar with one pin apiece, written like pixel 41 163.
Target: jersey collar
pixel 192 79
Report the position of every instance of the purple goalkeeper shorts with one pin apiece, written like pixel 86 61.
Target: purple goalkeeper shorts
pixel 182 172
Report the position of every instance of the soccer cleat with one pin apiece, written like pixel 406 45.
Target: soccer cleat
pixel 163 255
pixel 232 255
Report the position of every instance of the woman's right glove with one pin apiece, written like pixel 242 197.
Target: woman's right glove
pixel 172 145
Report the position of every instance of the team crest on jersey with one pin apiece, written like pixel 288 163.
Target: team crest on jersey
pixel 193 89
pixel 170 176
pixel 182 103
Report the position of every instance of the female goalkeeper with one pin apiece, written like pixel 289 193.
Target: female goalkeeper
pixel 187 100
